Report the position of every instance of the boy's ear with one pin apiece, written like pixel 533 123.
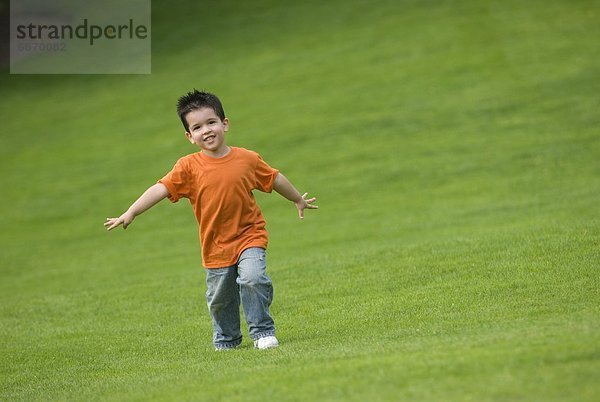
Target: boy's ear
pixel 188 135
pixel 226 124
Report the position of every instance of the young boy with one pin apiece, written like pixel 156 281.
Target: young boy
pixel 218 181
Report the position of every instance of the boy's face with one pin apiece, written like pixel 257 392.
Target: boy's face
pixel 207 130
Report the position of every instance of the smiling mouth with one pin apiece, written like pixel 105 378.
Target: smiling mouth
pixel 208 137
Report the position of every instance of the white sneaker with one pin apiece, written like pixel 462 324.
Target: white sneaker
pixel 223 349
pixel 266 342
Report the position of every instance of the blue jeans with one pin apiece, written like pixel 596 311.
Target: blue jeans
pixel 245 281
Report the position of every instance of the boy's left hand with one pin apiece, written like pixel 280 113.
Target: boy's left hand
pixel 304 203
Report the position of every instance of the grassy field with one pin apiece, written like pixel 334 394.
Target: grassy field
pixel 454 147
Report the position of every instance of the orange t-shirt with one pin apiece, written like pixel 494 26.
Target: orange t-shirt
pixel 220 191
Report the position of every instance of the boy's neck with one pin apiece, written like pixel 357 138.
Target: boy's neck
pixel 219 153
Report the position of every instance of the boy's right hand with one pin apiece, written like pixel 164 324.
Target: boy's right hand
pixel 124 220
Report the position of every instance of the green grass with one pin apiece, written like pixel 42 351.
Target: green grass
pixel 454 148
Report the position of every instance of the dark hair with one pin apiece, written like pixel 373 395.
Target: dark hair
pixel 197 100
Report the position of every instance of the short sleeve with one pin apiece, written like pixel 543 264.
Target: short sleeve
pixel 177 181
pixel 265 176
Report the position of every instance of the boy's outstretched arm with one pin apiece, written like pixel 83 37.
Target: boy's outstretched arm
pixel 284 187
pixel 151 197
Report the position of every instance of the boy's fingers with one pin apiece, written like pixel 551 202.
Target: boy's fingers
pixel 112 223
pixel 309 203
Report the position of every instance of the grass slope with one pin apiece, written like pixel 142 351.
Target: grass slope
pixel 453 146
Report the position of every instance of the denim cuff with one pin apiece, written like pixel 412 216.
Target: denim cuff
pixel 256 337
pixel 228 345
